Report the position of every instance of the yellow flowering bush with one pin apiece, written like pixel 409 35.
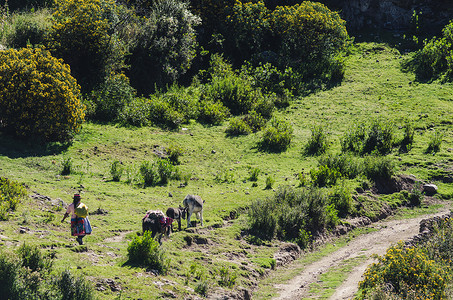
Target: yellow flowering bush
pixel 407 271
pixel 38 96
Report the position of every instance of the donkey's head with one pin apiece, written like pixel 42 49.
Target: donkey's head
pixel 183 212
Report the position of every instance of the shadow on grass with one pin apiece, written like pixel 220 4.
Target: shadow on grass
pixel 21 148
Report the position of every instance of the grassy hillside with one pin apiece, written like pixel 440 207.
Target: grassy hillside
pixel 374 87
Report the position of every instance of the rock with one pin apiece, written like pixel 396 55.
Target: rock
pixel 430 189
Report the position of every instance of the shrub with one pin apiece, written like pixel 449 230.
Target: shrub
pixel 408 138
pixel 33 259
pixel 174 152
pixel 145 251
pixel 269 182
pixel 164 46
pixel 83 35
pixel 380 138
pixel 254 173
pixel 182 99
pixel 111 97
pixel 434 143
pixel 38 96
pixel 238 126
pixel 324 176
pixel 161 113
pixel 248 28
pixel 73 288
pixel 11 193
pixel 212 112
pixel 254 120
pixel 28 29
pixel 346 164
pixel 341 198
pixel 276 136
pixel 136 112
pixel 378 168
pixel 375 138
pixel 116 170
pixel 406 269
pixel 9 269
pixel 227 277
pixel 149 173
pixel 317 144
pixel 434 59
pixel 233 92
pixel 166 170
pixel 291 215
pixel 307 33
pixel 67 166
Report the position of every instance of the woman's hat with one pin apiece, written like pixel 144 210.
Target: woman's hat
pixel 76 197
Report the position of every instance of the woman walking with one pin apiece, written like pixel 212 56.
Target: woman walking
pixel 80 225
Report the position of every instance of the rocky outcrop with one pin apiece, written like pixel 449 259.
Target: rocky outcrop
pixel 393 14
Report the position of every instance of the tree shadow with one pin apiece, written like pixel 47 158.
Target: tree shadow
pixel 13 147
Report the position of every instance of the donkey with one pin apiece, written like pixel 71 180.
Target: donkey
pixel 155 221
pixel 176 214
pixel 193 204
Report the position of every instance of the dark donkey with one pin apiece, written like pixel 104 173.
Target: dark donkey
pixel 156 222
pixel 176 214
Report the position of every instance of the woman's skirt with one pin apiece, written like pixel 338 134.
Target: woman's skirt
pixel 80 226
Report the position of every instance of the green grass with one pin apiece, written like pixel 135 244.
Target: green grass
pixel 374 87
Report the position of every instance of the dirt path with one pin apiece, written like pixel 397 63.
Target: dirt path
pixel 388 233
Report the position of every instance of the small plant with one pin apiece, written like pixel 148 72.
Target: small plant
pixel 408 139
pixel 224 177
pixel 303 181
pixel 67 166
pixel 116 170
pixel 303 239
pixel 434 142
pixel 317 144
pixel 144 250
pixel 416 195
pixel 71 287
pixel 149 173
pixel 166 171
pixel 202 288
pixel 254 173
pixel 269 182
pixel 341 199
pixel 227 278
pixel 212 112
pixel 174 152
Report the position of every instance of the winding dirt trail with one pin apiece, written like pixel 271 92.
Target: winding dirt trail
pixel 388 233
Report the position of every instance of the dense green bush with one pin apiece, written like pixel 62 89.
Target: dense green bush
pixel 38 96
pixel 248 28
pixel 255 120
pixel 145 251
pixel 11 193
pixel 111 97
pixel 116 170
pixel 434 60
pixel 291 214
pixel 377 138
pixel 27 274
pixel 308 34
pixel 174 152
pixel 28 29
pixel 341 198
pixel 324 176
pixel 235 93
pixel 212 112
pixel 318 143
pixel 136 112
pixel 83 35
pixel 161 113
pixel 378 168
pixel 163 46
pixel 158 172
pixel 348 165
pixel 238 126
pixel 276 136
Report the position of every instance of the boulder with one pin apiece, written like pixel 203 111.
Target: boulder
pixel 430 189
